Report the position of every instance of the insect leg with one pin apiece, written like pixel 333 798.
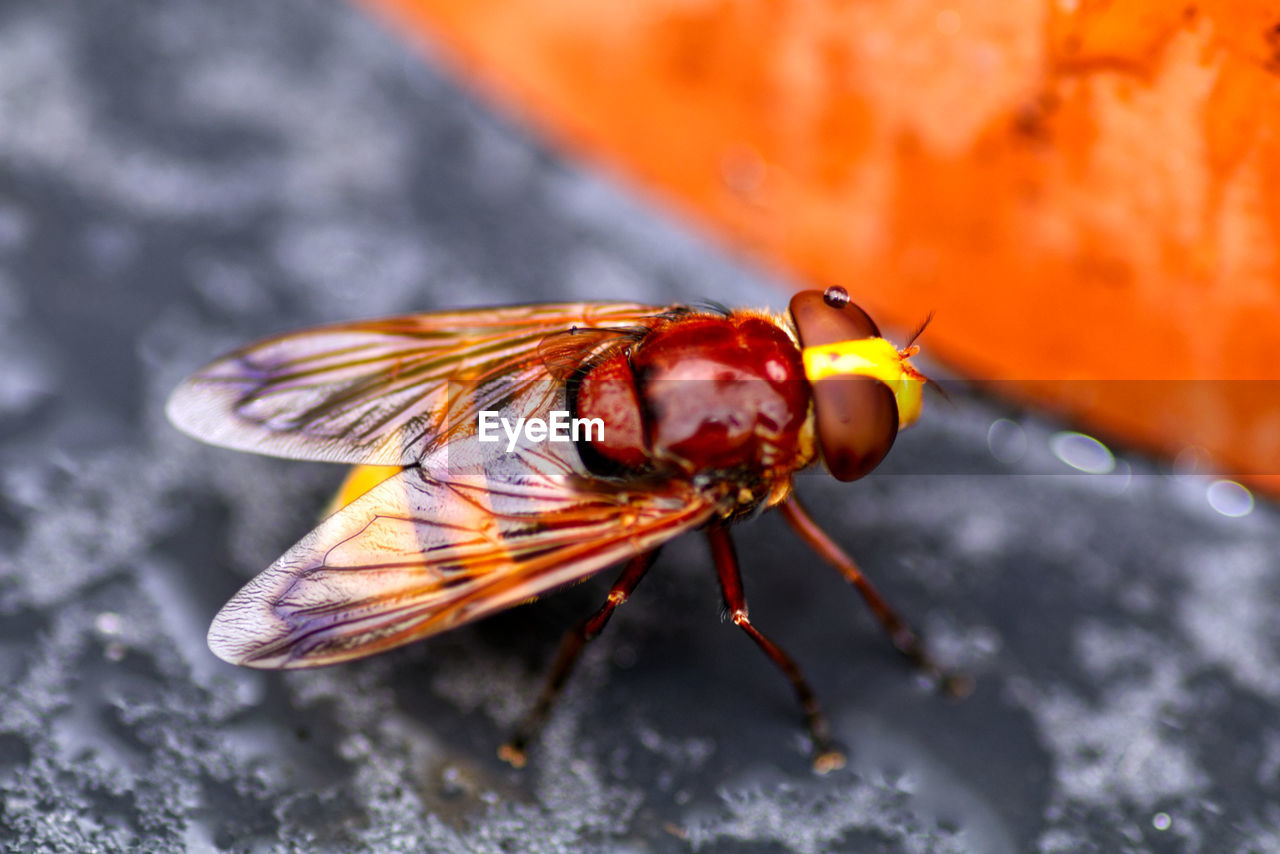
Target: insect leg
pixel 514 751
pixel 906 639
pixel 826 756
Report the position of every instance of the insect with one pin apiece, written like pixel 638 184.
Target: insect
pixel 705 415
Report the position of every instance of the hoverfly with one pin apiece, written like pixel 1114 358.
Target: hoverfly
pixel 706 413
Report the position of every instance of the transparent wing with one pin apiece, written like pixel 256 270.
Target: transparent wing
pixel 423 553
pixel 389 392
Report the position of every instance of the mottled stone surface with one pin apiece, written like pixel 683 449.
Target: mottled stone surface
pixel 176 179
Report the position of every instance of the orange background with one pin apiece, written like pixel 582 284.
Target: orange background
pixel 1080 190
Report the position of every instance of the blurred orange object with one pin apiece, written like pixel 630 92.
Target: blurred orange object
pixel 1083 191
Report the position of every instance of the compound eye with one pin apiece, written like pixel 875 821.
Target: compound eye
pixel 828 317
pixel 857 421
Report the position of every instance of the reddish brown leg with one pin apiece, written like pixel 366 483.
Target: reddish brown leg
pixel 825 755
pixel 906 639
pixel 514 751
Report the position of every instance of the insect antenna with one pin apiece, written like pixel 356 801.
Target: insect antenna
pixel 929 382
pixel 919 330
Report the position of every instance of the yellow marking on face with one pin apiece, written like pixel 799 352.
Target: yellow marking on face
pixel 875 358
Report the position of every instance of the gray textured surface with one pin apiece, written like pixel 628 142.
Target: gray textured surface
pixel 179 178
